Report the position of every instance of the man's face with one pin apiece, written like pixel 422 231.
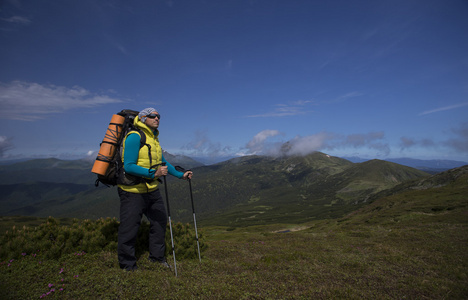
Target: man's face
pixel 152 120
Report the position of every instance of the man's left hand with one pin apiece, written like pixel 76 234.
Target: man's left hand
pixel 188 175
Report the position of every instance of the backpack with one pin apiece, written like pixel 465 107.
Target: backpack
pixel 115 173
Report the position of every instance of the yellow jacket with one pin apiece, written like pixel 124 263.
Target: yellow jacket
pixel 144 161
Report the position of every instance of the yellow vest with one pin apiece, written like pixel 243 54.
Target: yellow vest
pixel 144 159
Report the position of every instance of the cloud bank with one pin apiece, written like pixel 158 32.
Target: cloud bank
pixel 461 142
pixel 458 141
pixel 260 144
pixel 322 141
pixel 202 146
pixel 28 101
pixel 5 144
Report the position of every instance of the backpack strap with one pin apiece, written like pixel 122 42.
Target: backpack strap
pixel 142 137
pixel 141 134
pixel 143 143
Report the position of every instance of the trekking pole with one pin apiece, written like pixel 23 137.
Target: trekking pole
pixel 178 168
pixel 170 223
pixel 194 219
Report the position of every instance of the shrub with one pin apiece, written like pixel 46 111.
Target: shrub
pixel 52 240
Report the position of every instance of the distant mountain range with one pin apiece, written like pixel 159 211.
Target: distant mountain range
pixel 240 191
pixel 431 166
pixel 260 190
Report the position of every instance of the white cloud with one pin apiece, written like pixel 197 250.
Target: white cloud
pixel 407 143
pixel 343 98
pixel 350 95
pixel 229 64
pixel 202 146
pixel 460 142
pixel 371 140
pixel 5 144
pixel 308 144
pixel 17 20
pixel 284 110
pixel 302 107
pixel 257 144
pixel 359 139
pixel 32 101
pixel 449 107
pixel 322 141
pixel 296 146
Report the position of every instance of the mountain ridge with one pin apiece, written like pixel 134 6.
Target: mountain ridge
pixel 241 191
pixel 432 166
pixel 285 186
pixel 442 193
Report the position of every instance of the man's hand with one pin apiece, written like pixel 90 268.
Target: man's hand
pixel 161 171
pixel 188 175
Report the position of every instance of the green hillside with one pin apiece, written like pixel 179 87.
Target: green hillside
pixel 440 198
pixel 239 192
pixel 260 190
pixel 30 198
pixel 53 187
pixel 48 170
pixel 359 182
pixel 408 242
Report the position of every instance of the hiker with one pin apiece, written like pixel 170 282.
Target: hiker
pixel 144 198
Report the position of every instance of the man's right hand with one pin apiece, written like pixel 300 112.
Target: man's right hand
pixel 161 171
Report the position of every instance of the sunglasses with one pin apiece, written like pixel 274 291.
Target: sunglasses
pixel 152 116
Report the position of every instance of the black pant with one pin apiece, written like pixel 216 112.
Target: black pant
pixel 132 208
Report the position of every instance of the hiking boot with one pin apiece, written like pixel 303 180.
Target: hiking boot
pixel 164 264
pixel 130 268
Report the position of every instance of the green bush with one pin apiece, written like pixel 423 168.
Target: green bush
pixel 53 240
pixel 185 244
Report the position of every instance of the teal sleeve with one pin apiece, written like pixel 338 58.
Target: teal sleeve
pixel 171 170
pixel 132 149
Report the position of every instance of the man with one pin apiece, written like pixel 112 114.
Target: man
pixel 146 164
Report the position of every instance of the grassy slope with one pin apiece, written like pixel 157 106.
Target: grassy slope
pixel 247 190
pixel 331 191
pixel 410 245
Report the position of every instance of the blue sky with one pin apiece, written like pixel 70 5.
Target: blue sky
pixel 375 79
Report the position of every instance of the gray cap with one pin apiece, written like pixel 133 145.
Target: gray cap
pixel 145 112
